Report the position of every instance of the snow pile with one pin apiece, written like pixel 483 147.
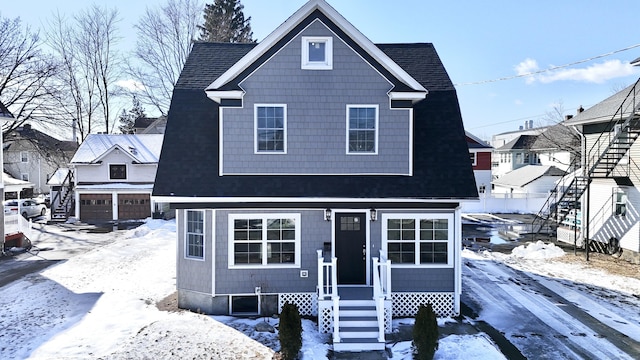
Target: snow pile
pixel 538 250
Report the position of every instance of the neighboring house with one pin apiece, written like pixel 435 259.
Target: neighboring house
pixel 609 184
pixel 320 169
pixel 146 125
pixel 502 139
pixel 529 179
pixel 559 146
pixel 480 155
pixel 33 156
pixel 114 177
pixel 513 155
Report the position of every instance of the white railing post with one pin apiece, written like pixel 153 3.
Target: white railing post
pixel 321 293
pixel 336 319
pixel 334 276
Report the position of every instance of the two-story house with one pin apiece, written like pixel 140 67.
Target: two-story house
pixel 33 156
pixel 606 193
pixel 320 169
pixel 113 176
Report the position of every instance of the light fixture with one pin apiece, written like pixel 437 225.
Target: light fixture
pixel 374 214
pixel 327 214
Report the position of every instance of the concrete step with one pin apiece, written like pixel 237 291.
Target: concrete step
pixel 358 345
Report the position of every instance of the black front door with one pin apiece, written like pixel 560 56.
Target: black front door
pixel 351 246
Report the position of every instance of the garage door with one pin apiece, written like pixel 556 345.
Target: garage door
pixel 134 206
pixel 95 207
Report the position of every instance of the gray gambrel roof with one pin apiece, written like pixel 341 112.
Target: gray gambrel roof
pixel 522 142
pixel 189 161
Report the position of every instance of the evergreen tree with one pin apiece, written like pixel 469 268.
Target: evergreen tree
pixel 290 332
pixel 128 120
pixel 224 22
pixel 425 333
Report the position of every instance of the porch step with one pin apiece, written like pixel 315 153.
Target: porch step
pixel 358 327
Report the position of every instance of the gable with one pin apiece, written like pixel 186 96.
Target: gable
pixel 226 86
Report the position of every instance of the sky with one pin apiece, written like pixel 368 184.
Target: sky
pixel 487 47
pixel 100 302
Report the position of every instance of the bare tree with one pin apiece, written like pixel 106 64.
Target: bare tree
pixel 558 136
pixel 90 64
pixel 165 39
pixel 26 73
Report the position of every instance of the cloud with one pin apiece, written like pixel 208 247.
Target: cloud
pixel 518 102
pixel 130 85
pixel 596 73
pixel 526 68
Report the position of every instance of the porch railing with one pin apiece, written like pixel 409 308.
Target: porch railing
pixel 328 289
pixel 381 289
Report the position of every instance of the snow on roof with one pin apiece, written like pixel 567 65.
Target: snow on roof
pixel 143 148
pixel 527 174
pixel 58 177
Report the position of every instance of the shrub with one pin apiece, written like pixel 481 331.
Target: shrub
pixel 425 333
pixel 290 331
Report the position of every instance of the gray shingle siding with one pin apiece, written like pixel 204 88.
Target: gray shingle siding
pixel 314 230
pixel 192 274
pixel 316 116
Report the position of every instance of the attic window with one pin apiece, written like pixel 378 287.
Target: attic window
pixel 117 172
pixel 317 53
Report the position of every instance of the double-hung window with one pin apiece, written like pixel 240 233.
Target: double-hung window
pixel 270 128
pixel 24 156
pixel 264 240
pixel 194 234
pixel 472 157
pixel 362 129
pixel 419 239
pixel 317 53
pixel 619 202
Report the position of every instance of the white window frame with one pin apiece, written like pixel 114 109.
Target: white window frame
pixel 327 64
pixel 186 237
pixel 623 202
pixel 24 156
pixel 417 217
pixel 376 129
pixel 255 129
pixel 24 176
pixel 264 217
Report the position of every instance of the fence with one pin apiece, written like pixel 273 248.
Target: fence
pixel 14 223
pixel 506 203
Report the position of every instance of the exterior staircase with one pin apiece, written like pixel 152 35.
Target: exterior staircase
pixel 601 161
pixel 358 326
pixel 63 202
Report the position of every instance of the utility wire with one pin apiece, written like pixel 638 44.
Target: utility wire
pixel 547 69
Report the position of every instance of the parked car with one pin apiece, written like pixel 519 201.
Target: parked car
pixel 28 208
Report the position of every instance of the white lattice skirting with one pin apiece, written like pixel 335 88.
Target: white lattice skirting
pixel 407 304
pixel 307 303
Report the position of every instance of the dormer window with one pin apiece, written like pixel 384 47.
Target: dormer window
pixel 317 53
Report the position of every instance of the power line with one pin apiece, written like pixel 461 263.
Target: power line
pixel 548 69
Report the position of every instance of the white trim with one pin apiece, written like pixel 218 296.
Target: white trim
pixel 451 241
pixel 376 129
pixel 319 174
pixel 457 264
pixel 367 219
pixel 292 22
pixel 213 252
pixel 475 158
pixel 307 64
pixel 220 143
pixel 255 129
pixel 414 96
pixel 204 235
pixel 242 199
pixel 264 216
pixel 218 95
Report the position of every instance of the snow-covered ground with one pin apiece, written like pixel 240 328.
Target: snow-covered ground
pixel 101 303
